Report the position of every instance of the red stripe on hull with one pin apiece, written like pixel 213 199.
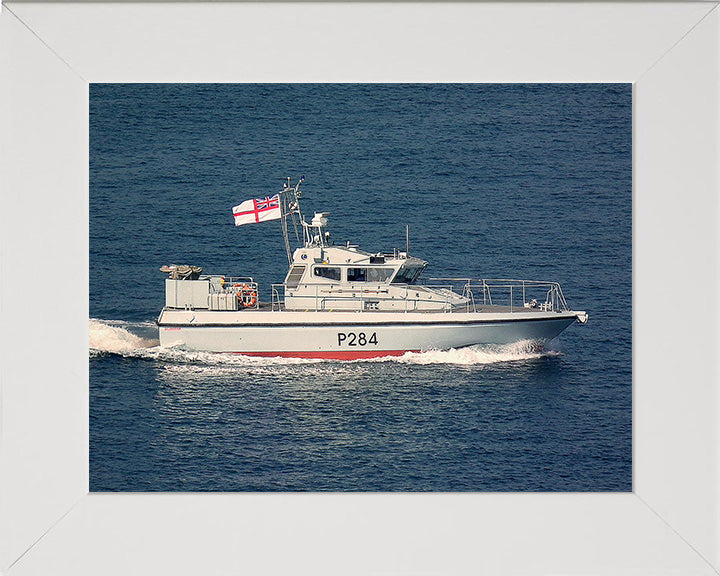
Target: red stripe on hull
pixel 330 354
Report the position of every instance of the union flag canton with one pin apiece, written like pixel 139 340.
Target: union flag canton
pixel 268 203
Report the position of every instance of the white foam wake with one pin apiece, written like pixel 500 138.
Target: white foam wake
pixel 481 354
pixel 118 337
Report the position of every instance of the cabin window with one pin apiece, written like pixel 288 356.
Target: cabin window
pixel 379 274
pixel 293 278
pixel 356 274
pixel 407 275
pixel 327 272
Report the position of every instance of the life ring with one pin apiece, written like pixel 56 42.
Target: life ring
pixel 246 296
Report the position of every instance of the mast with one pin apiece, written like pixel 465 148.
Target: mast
pixel 290 206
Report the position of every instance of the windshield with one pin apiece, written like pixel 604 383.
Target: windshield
pixel 407 275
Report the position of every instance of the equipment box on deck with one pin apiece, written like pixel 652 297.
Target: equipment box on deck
pixel 187 293
pixel 223 302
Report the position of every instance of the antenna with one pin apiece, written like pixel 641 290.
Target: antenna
pixel 407 239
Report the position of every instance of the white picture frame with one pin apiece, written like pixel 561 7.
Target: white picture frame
pixel 49 523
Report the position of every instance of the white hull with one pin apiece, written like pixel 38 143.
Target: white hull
pixel 347 335
pixel 341 302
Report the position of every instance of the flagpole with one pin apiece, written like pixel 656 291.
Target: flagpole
pixel 283 220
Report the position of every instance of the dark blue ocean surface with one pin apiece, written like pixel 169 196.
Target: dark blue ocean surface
pixel 521 181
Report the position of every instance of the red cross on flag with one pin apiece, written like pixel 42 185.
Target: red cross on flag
pixel 257 210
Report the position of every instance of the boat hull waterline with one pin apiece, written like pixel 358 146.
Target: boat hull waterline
pixel 324 335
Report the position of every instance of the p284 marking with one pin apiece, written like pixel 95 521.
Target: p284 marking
pixel 359 339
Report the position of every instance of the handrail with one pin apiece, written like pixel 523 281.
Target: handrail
pixel 542 294
pixel 554 297
pixel 453 295
pixel 230 279
pixel 275 297
pixel 327 292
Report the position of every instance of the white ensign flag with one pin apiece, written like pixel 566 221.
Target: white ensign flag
pixel 257 210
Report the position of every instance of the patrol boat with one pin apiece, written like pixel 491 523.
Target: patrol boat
pixel 340 302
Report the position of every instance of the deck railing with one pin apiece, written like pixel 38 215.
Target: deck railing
pixel 517 295
pixel 326 295
pixel 244 288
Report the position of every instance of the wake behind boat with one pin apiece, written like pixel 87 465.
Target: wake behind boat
pixel 340 302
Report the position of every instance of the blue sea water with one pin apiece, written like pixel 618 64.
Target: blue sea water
pixel 522 181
